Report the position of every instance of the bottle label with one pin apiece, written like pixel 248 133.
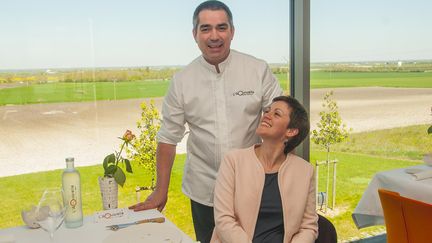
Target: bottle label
pixel 73 199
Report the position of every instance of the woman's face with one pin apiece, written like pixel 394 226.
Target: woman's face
pixel 274 121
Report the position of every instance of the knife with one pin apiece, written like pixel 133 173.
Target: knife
pixel 115 227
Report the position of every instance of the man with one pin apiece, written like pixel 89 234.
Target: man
pixel 220 95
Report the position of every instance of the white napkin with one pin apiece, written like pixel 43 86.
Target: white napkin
pixel 422 175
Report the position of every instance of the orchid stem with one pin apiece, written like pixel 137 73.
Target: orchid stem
pixel 119 153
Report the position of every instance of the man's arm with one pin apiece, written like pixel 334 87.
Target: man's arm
pixel 165 155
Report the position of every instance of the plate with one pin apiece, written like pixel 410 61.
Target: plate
pixel 147 232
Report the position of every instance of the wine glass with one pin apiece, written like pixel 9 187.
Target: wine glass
pixel 50 211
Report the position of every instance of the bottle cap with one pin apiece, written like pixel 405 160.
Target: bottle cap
pixel 70 163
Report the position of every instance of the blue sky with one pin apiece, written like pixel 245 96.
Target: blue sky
pixel 80 33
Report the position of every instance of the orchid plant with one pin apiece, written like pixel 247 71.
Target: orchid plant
pixel 111 161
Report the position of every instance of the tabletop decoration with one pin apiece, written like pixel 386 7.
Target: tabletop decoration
pixel 114 174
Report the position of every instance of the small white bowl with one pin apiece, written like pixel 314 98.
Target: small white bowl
pixel 428 159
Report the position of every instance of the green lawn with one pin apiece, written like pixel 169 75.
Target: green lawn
pixel 408 143
pixel 76 92
pixel 320 79
pixel 355 169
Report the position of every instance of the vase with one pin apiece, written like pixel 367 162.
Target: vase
pixel 109 192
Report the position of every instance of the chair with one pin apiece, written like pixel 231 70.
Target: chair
pixel 393 216
pixel 326 231
pixel 418 216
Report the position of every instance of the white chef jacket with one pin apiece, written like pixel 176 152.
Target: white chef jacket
pixel 222 111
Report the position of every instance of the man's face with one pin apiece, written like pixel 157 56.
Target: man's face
pixel 213 35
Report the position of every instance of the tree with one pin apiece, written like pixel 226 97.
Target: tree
pixel 330 131
pixel 144 145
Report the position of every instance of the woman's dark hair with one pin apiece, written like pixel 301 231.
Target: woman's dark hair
pixel 211 5
pixel 298 119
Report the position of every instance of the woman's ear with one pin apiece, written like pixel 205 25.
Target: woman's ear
pixel 291 132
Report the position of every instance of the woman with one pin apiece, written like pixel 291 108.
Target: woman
pixel 265 193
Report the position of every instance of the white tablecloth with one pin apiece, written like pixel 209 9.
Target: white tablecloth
pixel 90 232
pixel 369 211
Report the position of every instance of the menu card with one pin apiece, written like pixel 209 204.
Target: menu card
pixel 109 215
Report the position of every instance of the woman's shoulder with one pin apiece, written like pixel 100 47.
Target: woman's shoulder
pixel 298 161
pixel 240 152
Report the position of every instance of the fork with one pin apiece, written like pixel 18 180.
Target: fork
pixel 116 227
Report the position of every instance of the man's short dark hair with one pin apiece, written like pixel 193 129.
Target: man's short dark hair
pixel 211 5
pixel 298 119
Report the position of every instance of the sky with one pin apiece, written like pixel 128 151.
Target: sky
pixel 112 33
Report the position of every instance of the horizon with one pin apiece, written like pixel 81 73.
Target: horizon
pixel 181 66
pixel 136 33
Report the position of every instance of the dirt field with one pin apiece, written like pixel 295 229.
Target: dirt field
pixel 39 137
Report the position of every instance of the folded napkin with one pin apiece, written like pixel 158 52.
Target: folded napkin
pixel 424 174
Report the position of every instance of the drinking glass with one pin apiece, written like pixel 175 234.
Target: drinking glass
pixel 50 211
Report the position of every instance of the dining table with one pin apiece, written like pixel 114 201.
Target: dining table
pixel 369 211
pixel 92 230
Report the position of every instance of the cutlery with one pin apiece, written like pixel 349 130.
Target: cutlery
pixel 116 227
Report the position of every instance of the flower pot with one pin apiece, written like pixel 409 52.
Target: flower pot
pixel 109 192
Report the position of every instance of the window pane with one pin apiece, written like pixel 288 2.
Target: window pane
pixel 376 58
pixel 73 75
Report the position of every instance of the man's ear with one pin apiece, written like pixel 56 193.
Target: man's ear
pixel 291 132
pixel 233 32
pixel 194 32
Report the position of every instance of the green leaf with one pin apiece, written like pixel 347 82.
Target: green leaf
pixel 109 159
pixel 430 130
pixel 110 169
pixel 119 176
pixel 128 166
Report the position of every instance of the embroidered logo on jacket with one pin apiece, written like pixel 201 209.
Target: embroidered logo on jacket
pixel 242 93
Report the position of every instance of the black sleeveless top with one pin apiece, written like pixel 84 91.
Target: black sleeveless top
pixel 270 226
